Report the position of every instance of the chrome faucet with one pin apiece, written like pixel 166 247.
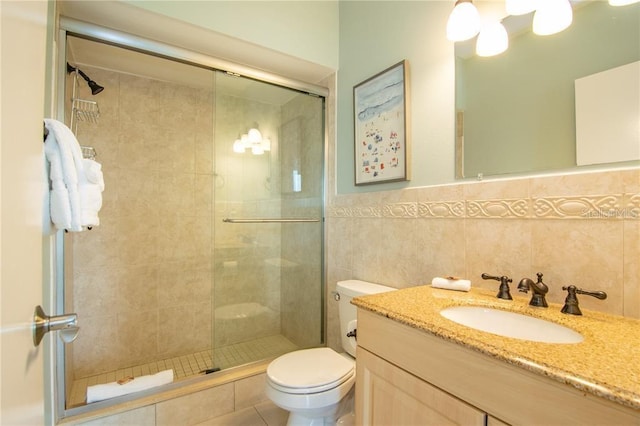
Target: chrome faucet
pixel 503 291
pixel 571 302
pixel 538 290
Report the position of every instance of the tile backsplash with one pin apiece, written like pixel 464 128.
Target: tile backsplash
pixel 581 229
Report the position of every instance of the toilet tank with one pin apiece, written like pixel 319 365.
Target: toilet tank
pixel 347 312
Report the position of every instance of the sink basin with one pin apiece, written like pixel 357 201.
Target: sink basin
pixel 511 324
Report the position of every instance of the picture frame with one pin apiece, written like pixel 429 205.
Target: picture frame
pixel 381 139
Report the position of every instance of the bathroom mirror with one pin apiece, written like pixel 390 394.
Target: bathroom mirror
pixel 515 112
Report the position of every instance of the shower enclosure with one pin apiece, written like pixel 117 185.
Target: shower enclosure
pixel 209 251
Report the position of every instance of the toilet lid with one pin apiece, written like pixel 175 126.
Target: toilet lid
pixel 310 370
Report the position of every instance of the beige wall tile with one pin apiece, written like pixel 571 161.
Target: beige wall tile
pixel 144 416
pixel 339 243
pixel 250 391
pixel 587 254
pixel 631 266
pixel 440 248
pixel 497 247
pixel 196 407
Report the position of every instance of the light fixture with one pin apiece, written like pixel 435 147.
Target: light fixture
pixel 252 140
pixel 464 21
pixel 552 16
pixel 492 40
pixel 238 147
pixel 519 7
pixel 622 2
pixel 254 136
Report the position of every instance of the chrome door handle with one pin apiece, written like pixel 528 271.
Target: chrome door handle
pixel 42 324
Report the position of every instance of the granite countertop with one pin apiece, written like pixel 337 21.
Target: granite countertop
pixel 606 363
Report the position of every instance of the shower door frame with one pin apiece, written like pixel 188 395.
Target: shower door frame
pixel 77 28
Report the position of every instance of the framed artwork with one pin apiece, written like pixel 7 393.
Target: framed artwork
pixel 380 106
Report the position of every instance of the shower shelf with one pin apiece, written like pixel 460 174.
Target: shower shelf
pixel 85 110
pixel 88 152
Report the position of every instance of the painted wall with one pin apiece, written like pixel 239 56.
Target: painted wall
pixel 375 35
pixel 305 29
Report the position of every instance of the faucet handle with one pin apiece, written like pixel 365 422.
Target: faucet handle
pixel 503 292
pixel 571 302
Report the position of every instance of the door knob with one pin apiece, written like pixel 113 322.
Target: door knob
pixel 42 324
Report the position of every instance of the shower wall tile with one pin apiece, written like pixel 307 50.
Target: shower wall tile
pixel 138 335
pixel 97 348
pixel 138 288
pixel 95 292
pixel 151 139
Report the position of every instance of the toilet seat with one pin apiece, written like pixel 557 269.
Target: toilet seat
pixel 290 373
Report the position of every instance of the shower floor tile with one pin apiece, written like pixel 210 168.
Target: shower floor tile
pixel 189 365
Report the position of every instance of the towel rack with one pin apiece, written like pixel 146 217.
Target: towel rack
pixel 269 220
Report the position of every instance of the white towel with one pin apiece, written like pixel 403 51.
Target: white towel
pixel 451 283
pixel 91 186
pixel 76 194
pixel 60 208
pixel 111 390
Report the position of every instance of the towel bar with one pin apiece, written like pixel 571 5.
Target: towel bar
pixel 267 220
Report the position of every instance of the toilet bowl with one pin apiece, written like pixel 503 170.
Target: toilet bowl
pixel 317 385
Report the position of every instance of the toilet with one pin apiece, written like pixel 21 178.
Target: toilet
pixel 315 385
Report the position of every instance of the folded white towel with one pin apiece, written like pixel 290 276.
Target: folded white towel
pixel 71 166
pixel 93 172
pixel 91 186
pixel 60 208
pixel 451 283
pixel 76 183
pixel 111 390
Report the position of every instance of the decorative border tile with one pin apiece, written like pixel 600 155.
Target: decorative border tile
pixel 448 209
pixel 400 210
pixel 579 207
pixel 518 208
pixel 604 207
pixel 360 211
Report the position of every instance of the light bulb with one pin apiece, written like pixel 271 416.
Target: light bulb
pixel 464 21
pixel 519 7
pixel 245 141
pixel 238 146
pixel 257 149
pixel 552 16
pixel 492 40
pixel 254 136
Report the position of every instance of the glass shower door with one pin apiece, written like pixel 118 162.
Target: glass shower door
pixel 268 192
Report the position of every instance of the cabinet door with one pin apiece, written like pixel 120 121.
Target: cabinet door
pixel 387 395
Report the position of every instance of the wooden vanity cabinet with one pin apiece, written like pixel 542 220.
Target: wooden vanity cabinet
pixel 406 376
pixel 391 396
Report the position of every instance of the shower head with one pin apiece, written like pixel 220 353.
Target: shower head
pixel 95 87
